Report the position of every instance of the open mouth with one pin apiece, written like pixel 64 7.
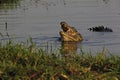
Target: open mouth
pixel 65 35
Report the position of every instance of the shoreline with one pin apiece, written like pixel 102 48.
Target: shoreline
pixel 38 64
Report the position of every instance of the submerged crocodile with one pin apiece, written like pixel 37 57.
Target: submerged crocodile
pixel 100 29
pixel 69 33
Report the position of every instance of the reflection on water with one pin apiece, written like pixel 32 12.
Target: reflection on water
pixel 69 48
pixel 9 1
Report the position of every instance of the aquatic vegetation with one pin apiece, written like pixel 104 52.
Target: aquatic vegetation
pixel 9 4
pixel 26 61
pixel 8 1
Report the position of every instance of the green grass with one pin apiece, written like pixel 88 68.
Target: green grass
pixel 27 62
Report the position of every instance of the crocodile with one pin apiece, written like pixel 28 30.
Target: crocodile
pixel 69 33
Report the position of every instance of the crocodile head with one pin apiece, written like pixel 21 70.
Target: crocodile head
pixel 69 33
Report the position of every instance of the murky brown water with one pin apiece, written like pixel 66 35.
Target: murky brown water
pixel 40 19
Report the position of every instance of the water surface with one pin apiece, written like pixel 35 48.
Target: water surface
pixel 40 20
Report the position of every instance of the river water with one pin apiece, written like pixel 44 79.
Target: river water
pixel 40 20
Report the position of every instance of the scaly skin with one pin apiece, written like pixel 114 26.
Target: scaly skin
pixel 69 33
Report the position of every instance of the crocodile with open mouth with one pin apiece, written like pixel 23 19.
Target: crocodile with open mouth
pixel 69 33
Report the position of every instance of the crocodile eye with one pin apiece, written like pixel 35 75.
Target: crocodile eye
pixel 64 28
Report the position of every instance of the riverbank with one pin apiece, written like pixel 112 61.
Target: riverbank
pixel 27 62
